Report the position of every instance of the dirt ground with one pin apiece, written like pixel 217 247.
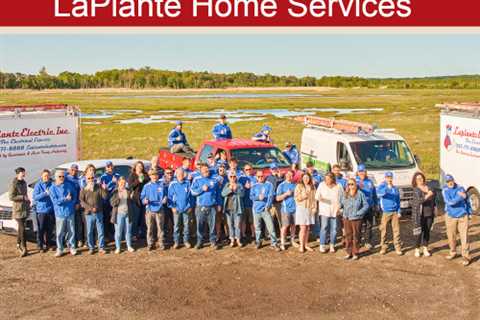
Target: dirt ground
pixel 241 284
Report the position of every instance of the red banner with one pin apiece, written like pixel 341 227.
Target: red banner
pixel 240 13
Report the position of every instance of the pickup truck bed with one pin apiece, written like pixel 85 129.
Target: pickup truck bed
pixel 167 159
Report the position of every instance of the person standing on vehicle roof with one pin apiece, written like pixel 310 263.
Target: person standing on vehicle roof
pixel 154 198
pixel 44 211
pixel 180 202
pixel 137 179
pixel 367 187
pixel 247 180
pixel 263 135
pixel 262 194
pixel 91 199
pixel 18 194
pixel 233 193
pixel 109 178
pixel 285 194
pixel 64 197
pixel 177 140
pixel 291 153
pixel 339 176
pixel 222 178
pixel 221 130
pixel 276 178
pixel 458 214
pixel 389 199
pixel 205 189
pixel 80 226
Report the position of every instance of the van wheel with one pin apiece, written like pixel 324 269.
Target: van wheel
pixel 474 198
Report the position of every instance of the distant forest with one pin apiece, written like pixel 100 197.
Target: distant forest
pixel 148 78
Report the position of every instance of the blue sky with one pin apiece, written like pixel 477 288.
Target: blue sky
pixel 374 55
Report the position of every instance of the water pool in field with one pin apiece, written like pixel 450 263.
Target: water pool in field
pixel 224 96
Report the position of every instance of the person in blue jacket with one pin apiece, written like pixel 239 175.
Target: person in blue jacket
pixel 180 201
pixel 44 211
pixel 285 193
pixel 168 225
pixel 222 178
pixel 337 171
pixel 80 226
pixel 291 153
pixel 316 176
pixel 221 130
pixel 64 197
pixel 154 198
pixel 263 135
pixel 367 187
pixel 389 200
pixel 177 140
pixel 261 194
pixel 109 178
pixel 458 212
pixel 205 189
pixel 247 180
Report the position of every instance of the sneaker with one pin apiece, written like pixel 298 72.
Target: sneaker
pixel 426 253
pixel 188 245
pixel 466 262
pixel 58 254
pixel 295 244
pixel 102 251
pixel 73 252
pixel 399 252
pixel 368 246
pixel 91 251
pixel 176 246
pixel 282 247
pixel 130 249
pixel 258 245
pixel 322 249
pixel 451 256
pixel 355 258
pixel 417 253
pixel 332 248
pixel 117 251
pixel 383 252
pixel 347 257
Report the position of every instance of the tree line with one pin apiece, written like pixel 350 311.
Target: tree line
pixel 148 78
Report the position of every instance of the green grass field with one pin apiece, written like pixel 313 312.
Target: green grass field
pixel 410 112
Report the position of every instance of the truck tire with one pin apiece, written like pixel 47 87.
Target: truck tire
pixel 474 198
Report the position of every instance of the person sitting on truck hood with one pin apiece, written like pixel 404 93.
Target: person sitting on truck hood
pixel 291 153
pixel 44 210
pixel 457 222
pixel 367 187
pixel 263 135
pixel 389 199
pixel 180 201
pixel 177 140
pixel 339 176
pixel 64 197
pixel 205 189
pixel 18 194
pixel 221 130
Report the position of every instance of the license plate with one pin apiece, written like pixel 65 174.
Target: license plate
pixel 404 204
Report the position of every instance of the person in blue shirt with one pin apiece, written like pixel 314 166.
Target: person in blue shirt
pixel 109 178
pixel 168 225
pixel 291 153
pixel 212 164
pixel 285 194
pixel 80 227
pixel 205 189
pixel 233 166
pixel 154 198
pixel 247 180
pixel 262 194
pixel 389 200
pixel 233 194
pixel 222 178
pixel 316 176
pixel 367 187
pixel 177 140
pixel 222 159
pixel 44 211
pixel 458 212
pixel 180 201
pixel 339 176
pixel 186 163
pixel 64 197
pixel 263 135
pixel 221 130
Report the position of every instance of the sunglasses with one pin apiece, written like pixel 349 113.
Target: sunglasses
pixel 90 179
pixel 248 169
pixel 169 173
pixel 260 177
pixel 61 176
pixel 351 184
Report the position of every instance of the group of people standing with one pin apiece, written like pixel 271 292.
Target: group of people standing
pixel 219 202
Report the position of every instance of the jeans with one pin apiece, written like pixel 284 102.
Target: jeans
pixel 206 215
pixel 45 221
pixel 65 226
pixel 181 219
pixel 123 226
pixel 109 230
pixel 93 220
pixel 233 222
pixel 267 219
pixel 315 228
pixel 326 224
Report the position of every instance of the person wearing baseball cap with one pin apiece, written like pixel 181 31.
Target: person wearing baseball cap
pixel 367 187
pixel 276 178
pixel 291 153
pixel 389 199
pixel 80 227
pixel 263 135
pixel 177 140
pixel 109 179
pixel 221 130
pixel 458 212
pixel 20 207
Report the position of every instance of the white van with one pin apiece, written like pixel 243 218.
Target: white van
pixel 326 142
pixel 460 148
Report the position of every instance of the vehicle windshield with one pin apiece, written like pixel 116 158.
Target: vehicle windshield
pixel 386 154
pixel 260 158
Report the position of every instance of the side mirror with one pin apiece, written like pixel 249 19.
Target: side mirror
pixel 345 165
pixel 417 159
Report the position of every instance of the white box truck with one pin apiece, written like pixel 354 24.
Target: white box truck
pixel 460 148
pixel 328 141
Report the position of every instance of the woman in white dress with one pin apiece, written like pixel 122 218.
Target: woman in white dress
pixel 306 209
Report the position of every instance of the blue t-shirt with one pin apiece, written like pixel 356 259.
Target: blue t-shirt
pixel 288 204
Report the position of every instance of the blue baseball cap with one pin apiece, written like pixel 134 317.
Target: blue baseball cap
pixel 178 123
pixel 449 177
pixel 266 128
pixel 361 168
pixel 273 166
pixel 109 164
pixel 74 166
pixel 389 174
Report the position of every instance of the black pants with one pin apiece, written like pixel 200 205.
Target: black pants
pixel 367 226
pixel 80 229
pixel 426 225
pixel 109 229
pixel 46 222
pixel 21 235
pixel 168 225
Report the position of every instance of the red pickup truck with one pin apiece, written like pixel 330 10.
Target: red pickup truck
pixel 260 155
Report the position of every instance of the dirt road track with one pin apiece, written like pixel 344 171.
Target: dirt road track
pixel 241 284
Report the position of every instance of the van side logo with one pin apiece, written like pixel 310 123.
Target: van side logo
pixel 447 141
